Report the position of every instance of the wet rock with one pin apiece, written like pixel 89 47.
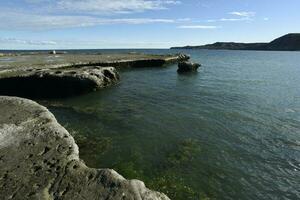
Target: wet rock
pixel 187 67
pixel 54 83
pixel 39 159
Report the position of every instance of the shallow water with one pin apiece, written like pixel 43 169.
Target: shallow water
pixel 231 131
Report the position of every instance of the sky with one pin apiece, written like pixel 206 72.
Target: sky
pixel 102 24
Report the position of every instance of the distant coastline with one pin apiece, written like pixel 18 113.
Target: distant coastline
pixel 289 42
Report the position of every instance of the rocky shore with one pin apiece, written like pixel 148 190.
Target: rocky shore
pixel 41 61
pixel 39 159
pixel 55 83
pixel 53 76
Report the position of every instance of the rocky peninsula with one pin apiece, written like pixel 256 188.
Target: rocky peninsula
pixel 39 159
pixel 62 75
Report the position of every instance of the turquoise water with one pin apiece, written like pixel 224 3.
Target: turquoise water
pixel 231 131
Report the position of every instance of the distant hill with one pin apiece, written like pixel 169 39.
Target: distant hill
pixel 289 42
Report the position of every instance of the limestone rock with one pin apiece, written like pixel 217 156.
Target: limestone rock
pixel 187 67
pixel 40 60
pixel 48 83
pixel 39 160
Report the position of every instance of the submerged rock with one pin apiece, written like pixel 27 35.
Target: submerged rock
pixel 39 159
pixel 53 83
pixel 187 67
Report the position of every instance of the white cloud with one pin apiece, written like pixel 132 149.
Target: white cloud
pixel 85 43
pixel 57 14
pixel 103 6
pixel 230 19
pixel 243 14
pixel 240 16
pixel 235 19
pixel 266 19
pixel 27 42
pixel 197 27
pixel 13 20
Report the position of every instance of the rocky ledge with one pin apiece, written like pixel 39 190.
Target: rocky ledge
pixel 81 60
pixel 39 159
pixel 53 83
pixel 53 76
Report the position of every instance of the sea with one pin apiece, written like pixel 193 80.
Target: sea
pixel 229 131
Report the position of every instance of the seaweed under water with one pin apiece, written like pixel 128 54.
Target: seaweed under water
pixel 230 131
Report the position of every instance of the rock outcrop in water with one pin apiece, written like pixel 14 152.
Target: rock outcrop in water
pixel 49 83
pixel 187 67
pixel 39 159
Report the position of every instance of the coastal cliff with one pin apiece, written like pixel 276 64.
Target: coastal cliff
pixel 39 159
pixel 289 42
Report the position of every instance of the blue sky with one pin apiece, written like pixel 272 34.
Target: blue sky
pixel 67 24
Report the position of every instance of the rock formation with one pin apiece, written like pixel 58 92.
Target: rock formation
pixel 48 83
pixel 187 67
pixel 39 159
pixel 43 76
pixel 66 59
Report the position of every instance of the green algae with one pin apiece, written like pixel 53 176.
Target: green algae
pixel 164 178
pixel 185 152
pixel 90 147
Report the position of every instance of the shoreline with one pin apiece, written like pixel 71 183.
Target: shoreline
pixel 44 153
pixel 46 164
pixel 62 75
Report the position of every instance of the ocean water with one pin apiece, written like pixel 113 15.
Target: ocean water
pixel 230 131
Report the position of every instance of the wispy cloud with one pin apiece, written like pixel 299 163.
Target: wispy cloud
pixel 27 42
pixel 243 14
pixel 230 19
pixel 103 6
pixel 239 16
pixel 24 21
pixel 197 27
pixel 235 19
pixel 17 43
pixel 58 14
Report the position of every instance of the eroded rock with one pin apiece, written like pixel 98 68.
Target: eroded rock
pixel 43 60
pixel 187 67
pixel 39 160
pixel 49 83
